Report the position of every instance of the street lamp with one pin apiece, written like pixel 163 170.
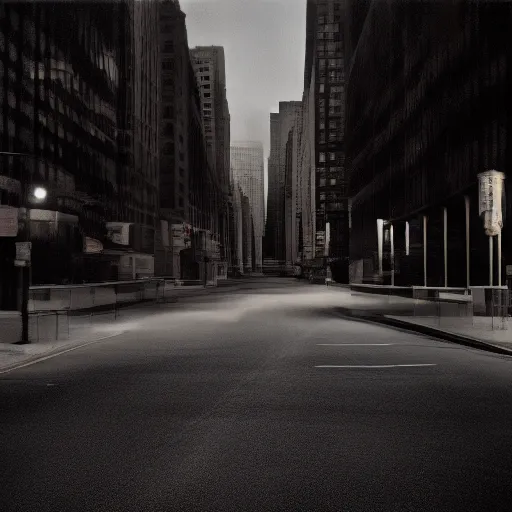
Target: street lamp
pixel 23 247
pixel 40 193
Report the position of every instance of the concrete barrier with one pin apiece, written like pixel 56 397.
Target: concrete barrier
pixel 10 326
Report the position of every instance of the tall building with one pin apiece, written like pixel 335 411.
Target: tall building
pixel 190 192
pixel 428 108
pixel 275 231
pixel 76 89
pixel 131 234
pixel 324 76
pixel 247 171
pixel 175 86
pixel 209 67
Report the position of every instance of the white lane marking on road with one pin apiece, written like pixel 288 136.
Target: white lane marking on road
pixel 375 366
pixel 355 344
pixel 55 354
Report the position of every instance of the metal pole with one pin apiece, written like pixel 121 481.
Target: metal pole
pixel 490 261
pixel 425 250
pixel 445 233
pixel 499 258
pixel 392 240
pixel 467 204
pixel 407 241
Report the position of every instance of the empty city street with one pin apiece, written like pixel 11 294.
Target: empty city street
pixel 253 398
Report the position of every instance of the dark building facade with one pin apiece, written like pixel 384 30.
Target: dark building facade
pixel 78 101
pixel 281 124
pixel 325 62
pixel 191 195
pixel 429 109
pixel 209 66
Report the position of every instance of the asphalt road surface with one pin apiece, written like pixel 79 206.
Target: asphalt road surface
pixel 258 399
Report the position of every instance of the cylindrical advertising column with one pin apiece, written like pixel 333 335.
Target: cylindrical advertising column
pixel 490 193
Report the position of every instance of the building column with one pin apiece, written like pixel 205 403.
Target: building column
pixel 499 258
pixel 445 245
pixel 392 242
pixel 380 241
pixel 468 251
pixel 425 219
pixel 491 248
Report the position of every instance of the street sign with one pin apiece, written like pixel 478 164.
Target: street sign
pixel 23 251
pixel 8 221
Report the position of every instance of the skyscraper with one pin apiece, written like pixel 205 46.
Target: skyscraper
pixel 275 231
pixel 324 76
pixel 247 171
pixel 190 191
pixel 209 67
pixel 78 103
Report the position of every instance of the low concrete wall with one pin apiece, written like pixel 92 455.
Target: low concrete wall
pixel 80 297
pixel 10 326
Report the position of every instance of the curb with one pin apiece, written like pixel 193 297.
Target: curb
pixel 69 347
pixel 425 330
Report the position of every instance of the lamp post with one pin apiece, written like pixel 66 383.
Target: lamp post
pixel 23 247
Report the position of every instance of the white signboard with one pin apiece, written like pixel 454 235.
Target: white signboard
pixel 8 221
pixel 92 246
pixel 118 232
pixel 23 251
pixel 178 238
pixel 490 194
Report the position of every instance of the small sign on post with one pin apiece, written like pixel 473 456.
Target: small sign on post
pixel 23 254
pixel 8 221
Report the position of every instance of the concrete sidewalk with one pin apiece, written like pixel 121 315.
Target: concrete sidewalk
pixel 426 317
pixel 85 327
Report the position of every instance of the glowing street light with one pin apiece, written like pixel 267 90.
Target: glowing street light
pixel 40 193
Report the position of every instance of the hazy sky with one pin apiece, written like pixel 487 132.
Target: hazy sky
pixel 264 44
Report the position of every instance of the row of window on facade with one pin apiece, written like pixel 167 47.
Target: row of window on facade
pixel 335 91
pixel 332 63
pixel 332 76
pixel 333 156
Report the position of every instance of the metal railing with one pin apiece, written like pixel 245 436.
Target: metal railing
pixel 480 306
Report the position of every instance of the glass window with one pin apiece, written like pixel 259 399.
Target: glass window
pixel 322 88
pixel 168 65
pixel 321 157
pixel 332 156
pixel 333 182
